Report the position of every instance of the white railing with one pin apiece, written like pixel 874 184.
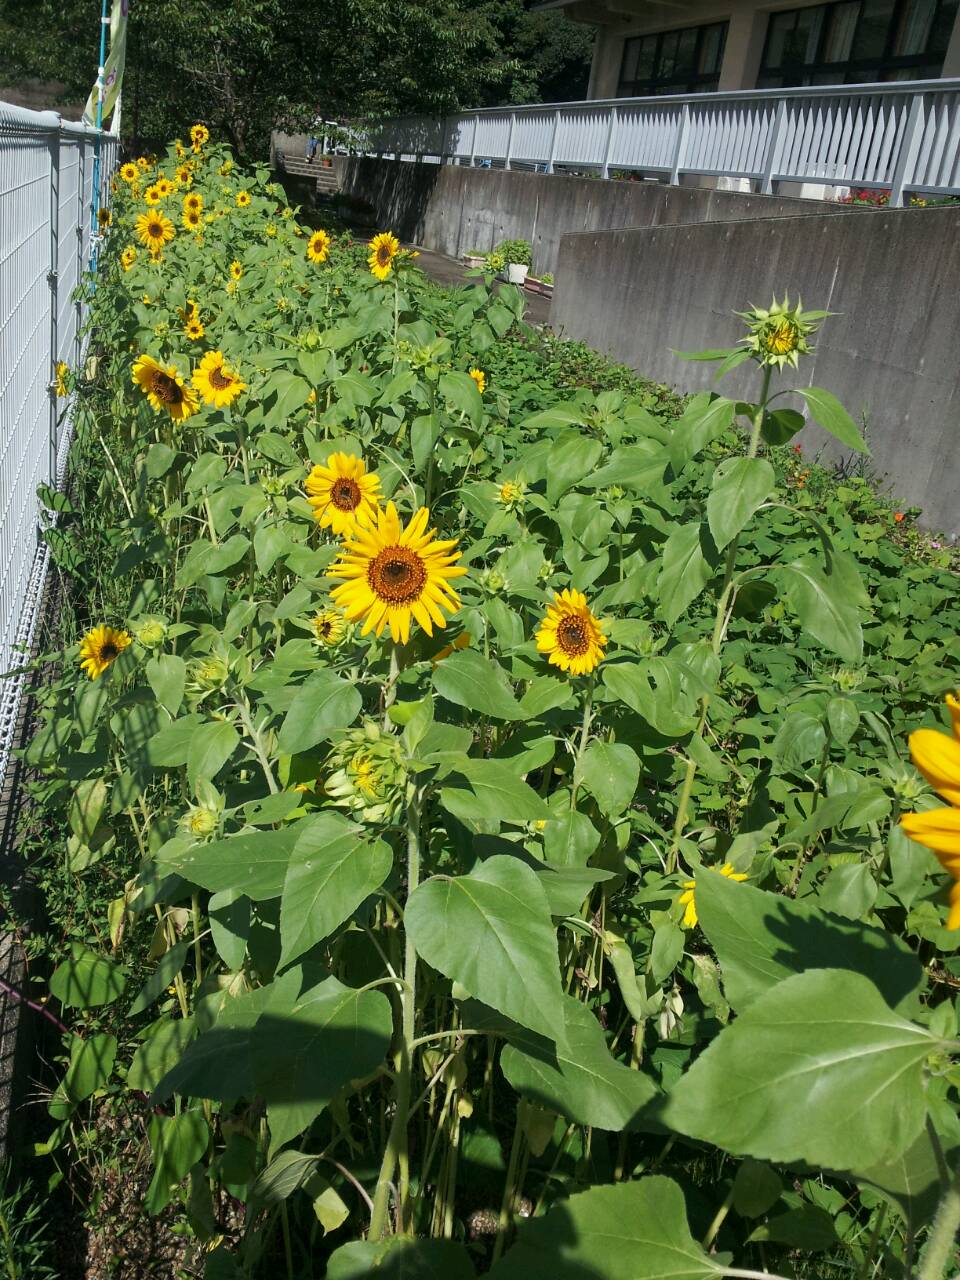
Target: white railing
pixel 901 137
pixel 46 198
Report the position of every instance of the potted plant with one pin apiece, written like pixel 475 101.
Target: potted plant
pixel 540 284
pixel 474 258
pixel 516 254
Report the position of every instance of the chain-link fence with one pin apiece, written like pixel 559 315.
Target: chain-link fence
pixel 47 175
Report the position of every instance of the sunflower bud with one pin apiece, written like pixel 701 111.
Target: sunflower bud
pixel 151 632
pixel 206 675
pixel 199 821
pixel 778 336
pixel 367 774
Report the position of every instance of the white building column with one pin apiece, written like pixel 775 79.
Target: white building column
pixel 744 47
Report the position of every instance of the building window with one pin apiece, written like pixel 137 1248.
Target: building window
pixel 856 42
pixel 683 61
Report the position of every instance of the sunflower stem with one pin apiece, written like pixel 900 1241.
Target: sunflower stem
pixel 943 1233
pixel 397 1149
pixel 390 688
pixel 584 738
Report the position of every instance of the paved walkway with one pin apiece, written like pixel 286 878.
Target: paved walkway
pixel 451 271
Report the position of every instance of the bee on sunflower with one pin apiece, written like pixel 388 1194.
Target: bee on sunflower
pixel 341 491
pixel 100 647
pixel 318 246
pixel 128 257
pixel 242 199
pixel 154 230
pixel 390 574
pixel 217 383
pixel 383 249
pixel 570 635
pixel 164 387
pixel 129 172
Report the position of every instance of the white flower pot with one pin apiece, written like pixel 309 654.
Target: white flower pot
pixel 516 274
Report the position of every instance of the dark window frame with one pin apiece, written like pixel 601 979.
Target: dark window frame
pixel 698 82
pixel 855 70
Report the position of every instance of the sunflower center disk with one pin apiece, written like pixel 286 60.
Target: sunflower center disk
pixel 166 389
pixel 397 575
pixel 345 495
pixel 572 636
pixel 220 379
pixel 108 651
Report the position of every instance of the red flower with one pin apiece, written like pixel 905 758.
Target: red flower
pixel 898 516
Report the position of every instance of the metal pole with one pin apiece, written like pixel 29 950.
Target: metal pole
pixel 95 201
pixel 52 278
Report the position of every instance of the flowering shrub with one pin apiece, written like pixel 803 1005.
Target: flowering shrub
pixel 501 806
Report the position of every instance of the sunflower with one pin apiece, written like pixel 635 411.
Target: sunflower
pixel 165 187
pixel 217 383
pixel 243 199
pixel 164 388
pixel 143 164
pixel 570 634
pixel 193 203
pixel 154 230
pixel 480 378
pixel 192 220
pixel 688 900
pixel 194 329
pixel 390 573
pixel 128 257
pixel 383 249
pixel 342 490
pixel 318 247
pixel 225 168
pixel 100 647
pixel 152 195
pixel 199 134
pixel 184 176
pixel 236 270
pixel 129 172
pixel 937 756
pixel 329 627
pixel 61 372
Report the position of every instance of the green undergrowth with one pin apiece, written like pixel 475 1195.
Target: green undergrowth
pixel 413 954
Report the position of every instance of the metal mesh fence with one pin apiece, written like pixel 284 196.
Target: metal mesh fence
pixel 46 195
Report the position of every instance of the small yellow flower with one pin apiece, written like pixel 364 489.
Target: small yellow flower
pixel 62 371
pixel 128 257
pixel 100 647
pixel 129 172
pixel 165 187
pixel 480 378
pixel 341 491
pixel 243 199
pixel 318 247
pixel 194 330
pixel 270 231
pixel 152 195
pixel 383 249
pixel 199 821
pixel 225 168
pixel 184 175
pixel 570 635
pixel 216 381
pixel 329 627
pixel 312 397
pixel 236 270
pixel 688 900
pixel 199 134
pixel 231 286
pixel 143 164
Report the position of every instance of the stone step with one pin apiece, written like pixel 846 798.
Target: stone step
pixel 298 166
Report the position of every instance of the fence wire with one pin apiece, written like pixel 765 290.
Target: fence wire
pixel 46 198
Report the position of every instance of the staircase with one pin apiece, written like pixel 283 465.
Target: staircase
pixel 297 166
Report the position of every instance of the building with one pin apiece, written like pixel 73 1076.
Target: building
pixel 651 47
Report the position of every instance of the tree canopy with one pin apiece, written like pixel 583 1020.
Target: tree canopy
pixel 245 66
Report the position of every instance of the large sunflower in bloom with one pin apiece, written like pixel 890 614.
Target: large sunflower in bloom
pixel 165 187
pixel 152 195
pixel 570 635
pixel 390 574
pixel 100 647
pixel 192 220
pixel 129 172
pixel 342 491
pixel 153 230
pixel 318 247
pixel 243 199
pixel 199 134
pixel 937 756
pixel 193 202
pixel 383 249
pixel 216 381
pixel 164 387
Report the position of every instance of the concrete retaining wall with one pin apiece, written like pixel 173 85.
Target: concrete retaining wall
pixel 889 352
pixel 452 208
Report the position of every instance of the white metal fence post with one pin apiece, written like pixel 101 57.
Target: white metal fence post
pixel 679 151
pixel 473 140
pixel 909 147
pixel 608 149
pixel 773 142
pixel 553 141
pixel 53 274
pixel 513 121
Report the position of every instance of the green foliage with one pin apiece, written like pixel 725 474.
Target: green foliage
pixel 517 251
pixel 402 939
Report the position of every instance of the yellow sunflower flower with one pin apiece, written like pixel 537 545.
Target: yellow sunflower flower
pixel 194 329
pixel 184 176
pixel 61 372
pixel 480 378
pixel 143 164
pixel 164 388
pixel 390 574
pixel 129 172
pixel 179 148
pixel 128 257
pixel 383 249
pixel 193 202
pixel 165 187
pixel 199 134
pixel 152 195
pixel 236 269
pixel 318 247
pixel 243 199
pixel 216 381
pixel 329 627
pixel 689 901
pixel 937 756
pixel 100 647
pixel 512 494
pixel 341 491
pixel 154 230
pixel 104 218
pixel 570 635
pixel 192 220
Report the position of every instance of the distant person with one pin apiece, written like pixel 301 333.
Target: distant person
pixel 312 144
